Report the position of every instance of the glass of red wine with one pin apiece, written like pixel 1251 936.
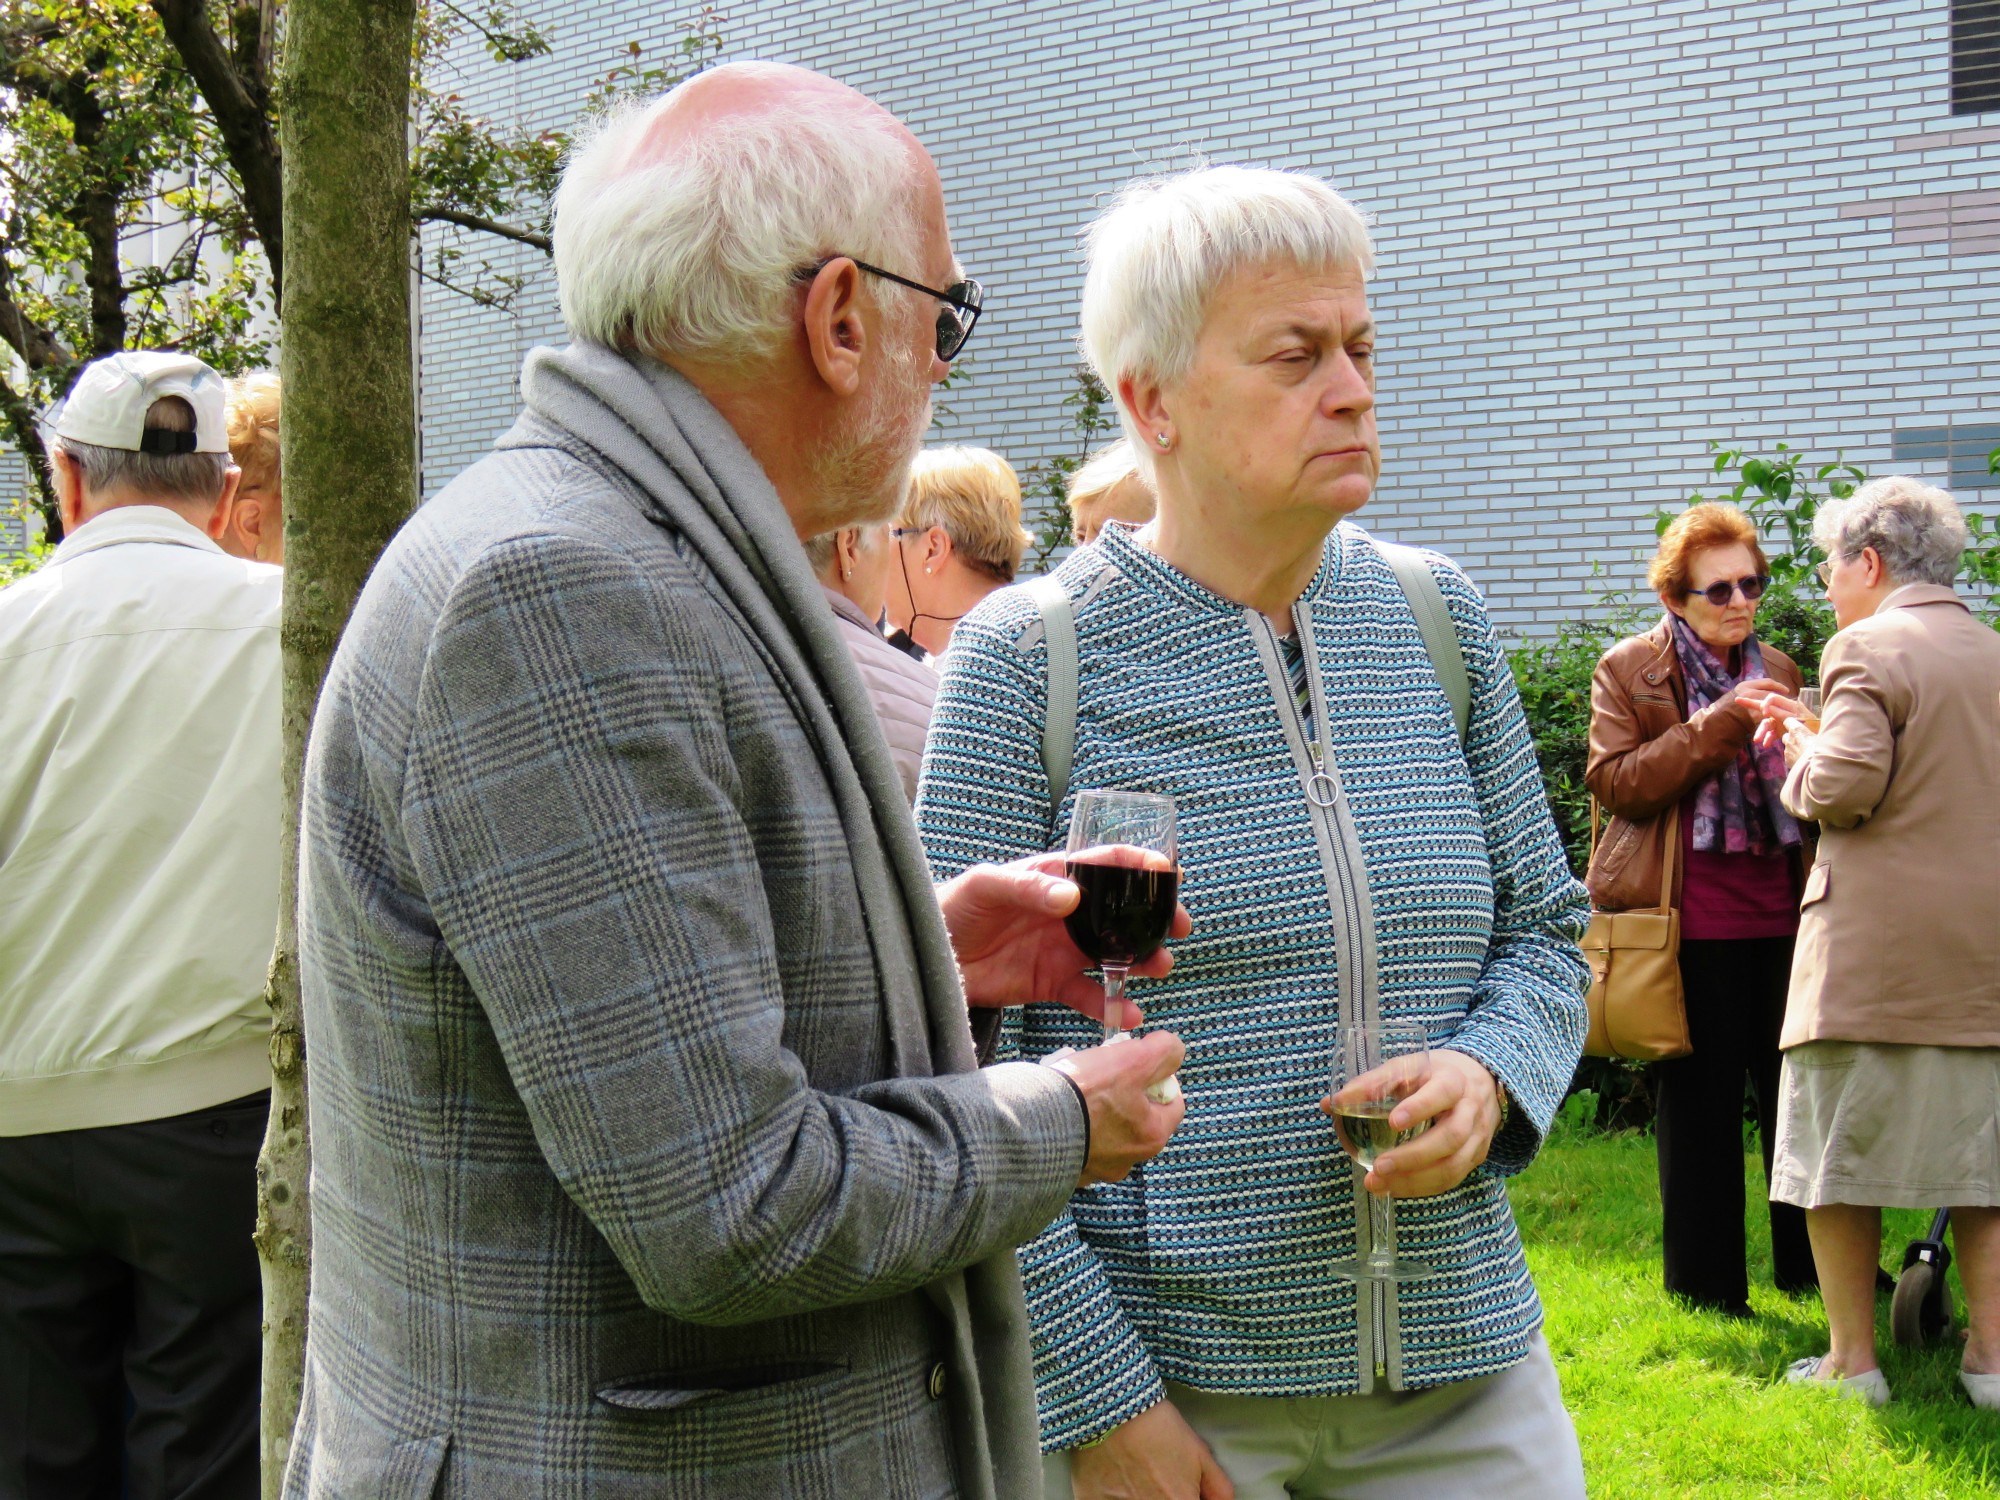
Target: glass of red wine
pixel 1376 1066
pixel 1123 858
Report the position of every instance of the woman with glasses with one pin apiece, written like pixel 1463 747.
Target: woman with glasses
pixel 1673 712
pixel 959 538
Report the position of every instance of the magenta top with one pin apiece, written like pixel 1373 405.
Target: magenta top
pixel 1734 895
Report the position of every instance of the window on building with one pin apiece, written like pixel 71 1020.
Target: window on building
pixel 1975 56
pixel 1954 455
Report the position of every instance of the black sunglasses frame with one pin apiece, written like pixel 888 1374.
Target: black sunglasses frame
pixel 1751 588
pixel 964 298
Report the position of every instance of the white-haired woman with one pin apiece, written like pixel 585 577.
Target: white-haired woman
pixel 853 565
pixel 1251 654
pixel 1890 1094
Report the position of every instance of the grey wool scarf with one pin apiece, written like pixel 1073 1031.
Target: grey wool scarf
pixel 651 425
pixel 658 430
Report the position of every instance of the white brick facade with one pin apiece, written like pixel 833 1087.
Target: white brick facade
pixel 1608 231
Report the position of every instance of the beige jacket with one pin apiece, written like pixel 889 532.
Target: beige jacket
pixel 140 802
pixel 1899 940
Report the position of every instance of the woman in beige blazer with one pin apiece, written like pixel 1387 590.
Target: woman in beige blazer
pixel 1891 1082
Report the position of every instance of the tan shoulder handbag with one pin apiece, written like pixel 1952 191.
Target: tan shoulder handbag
pixel 1637 1010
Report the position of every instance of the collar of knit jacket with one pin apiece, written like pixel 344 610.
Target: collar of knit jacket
pixel 1120 545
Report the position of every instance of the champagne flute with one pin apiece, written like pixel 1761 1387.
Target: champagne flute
pixel 1810 700
pixel 1122 856
pixel 1389 1060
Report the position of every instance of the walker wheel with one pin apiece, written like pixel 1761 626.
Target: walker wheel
pixel 1911 1324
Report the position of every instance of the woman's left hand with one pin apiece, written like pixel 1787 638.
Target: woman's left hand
pixel 1462 1102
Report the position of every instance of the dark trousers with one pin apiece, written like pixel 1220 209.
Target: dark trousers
pixel 1735 1007
pixel 130 1309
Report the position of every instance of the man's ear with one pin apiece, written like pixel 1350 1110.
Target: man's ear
pixel 66 477
pixel 836 333
pixel 218 519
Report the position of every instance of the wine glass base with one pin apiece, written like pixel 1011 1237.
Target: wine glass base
pixel 1396 1270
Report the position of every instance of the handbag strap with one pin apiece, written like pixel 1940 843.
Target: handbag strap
pixel 1669 857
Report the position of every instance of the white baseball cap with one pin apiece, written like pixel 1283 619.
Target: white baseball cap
pixel 108 404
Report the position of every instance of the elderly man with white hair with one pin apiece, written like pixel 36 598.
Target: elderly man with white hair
pixel 1363 840
pixel 1891 1081
pixel 649 1153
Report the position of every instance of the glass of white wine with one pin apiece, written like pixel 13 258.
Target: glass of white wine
pixel 1809 700
pixel 1376 1066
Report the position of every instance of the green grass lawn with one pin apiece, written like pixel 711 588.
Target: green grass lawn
pixel 1670 1402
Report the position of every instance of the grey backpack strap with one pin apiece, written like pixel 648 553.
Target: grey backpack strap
pixel 1059 718
pixel 1420 587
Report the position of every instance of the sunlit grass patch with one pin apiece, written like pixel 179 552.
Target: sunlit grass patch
pixel 1671 1402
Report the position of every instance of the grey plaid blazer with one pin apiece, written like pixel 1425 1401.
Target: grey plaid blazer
pixel 616 1188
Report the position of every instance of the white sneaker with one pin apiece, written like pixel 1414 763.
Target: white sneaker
pixel 1983 1389
pixel 1872 1387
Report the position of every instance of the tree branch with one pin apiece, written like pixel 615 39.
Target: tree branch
pixel 20 419
pixel 485 226
pixel 38 347
pixel 243 123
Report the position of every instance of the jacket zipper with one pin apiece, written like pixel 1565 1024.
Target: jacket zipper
pixel 1346 874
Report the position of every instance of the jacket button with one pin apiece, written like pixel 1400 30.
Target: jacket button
pixel 1652 677
pixel 937 1382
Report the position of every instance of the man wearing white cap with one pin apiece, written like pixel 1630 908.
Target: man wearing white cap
pixel 139 812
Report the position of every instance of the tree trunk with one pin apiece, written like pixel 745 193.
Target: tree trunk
pixel 349 433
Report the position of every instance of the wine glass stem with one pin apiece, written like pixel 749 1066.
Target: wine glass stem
pixel 1114 999
pixel 1382 1225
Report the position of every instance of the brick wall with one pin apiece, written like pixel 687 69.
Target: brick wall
pixel 1609 232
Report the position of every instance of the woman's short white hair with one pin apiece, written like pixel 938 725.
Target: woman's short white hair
pixel 1915 528
pixel 1160 250
pixel 698 251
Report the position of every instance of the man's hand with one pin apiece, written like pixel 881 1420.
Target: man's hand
pixel 1126 1127
pixel 1006 925
pixel 1462 1102
pixel 1155 1456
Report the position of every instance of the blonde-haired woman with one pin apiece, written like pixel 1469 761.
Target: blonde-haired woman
pixel 257 520
pixel 959 538
pixel 1107 488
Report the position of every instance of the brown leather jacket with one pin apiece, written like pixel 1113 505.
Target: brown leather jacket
pixel 1646 755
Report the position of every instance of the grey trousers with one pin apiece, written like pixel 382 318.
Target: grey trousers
pixel 1500 1437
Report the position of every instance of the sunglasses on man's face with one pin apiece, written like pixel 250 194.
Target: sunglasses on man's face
pixel 962 301
pixel 1718 593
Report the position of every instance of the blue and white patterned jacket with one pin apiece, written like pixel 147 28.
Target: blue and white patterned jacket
pixel 1208 1265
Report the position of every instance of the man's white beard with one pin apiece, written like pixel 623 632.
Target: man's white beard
pixel 863 478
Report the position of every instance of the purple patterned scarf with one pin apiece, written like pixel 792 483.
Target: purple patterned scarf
pixel 1736 811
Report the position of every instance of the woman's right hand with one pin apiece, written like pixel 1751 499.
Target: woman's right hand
pixel 1155 1456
